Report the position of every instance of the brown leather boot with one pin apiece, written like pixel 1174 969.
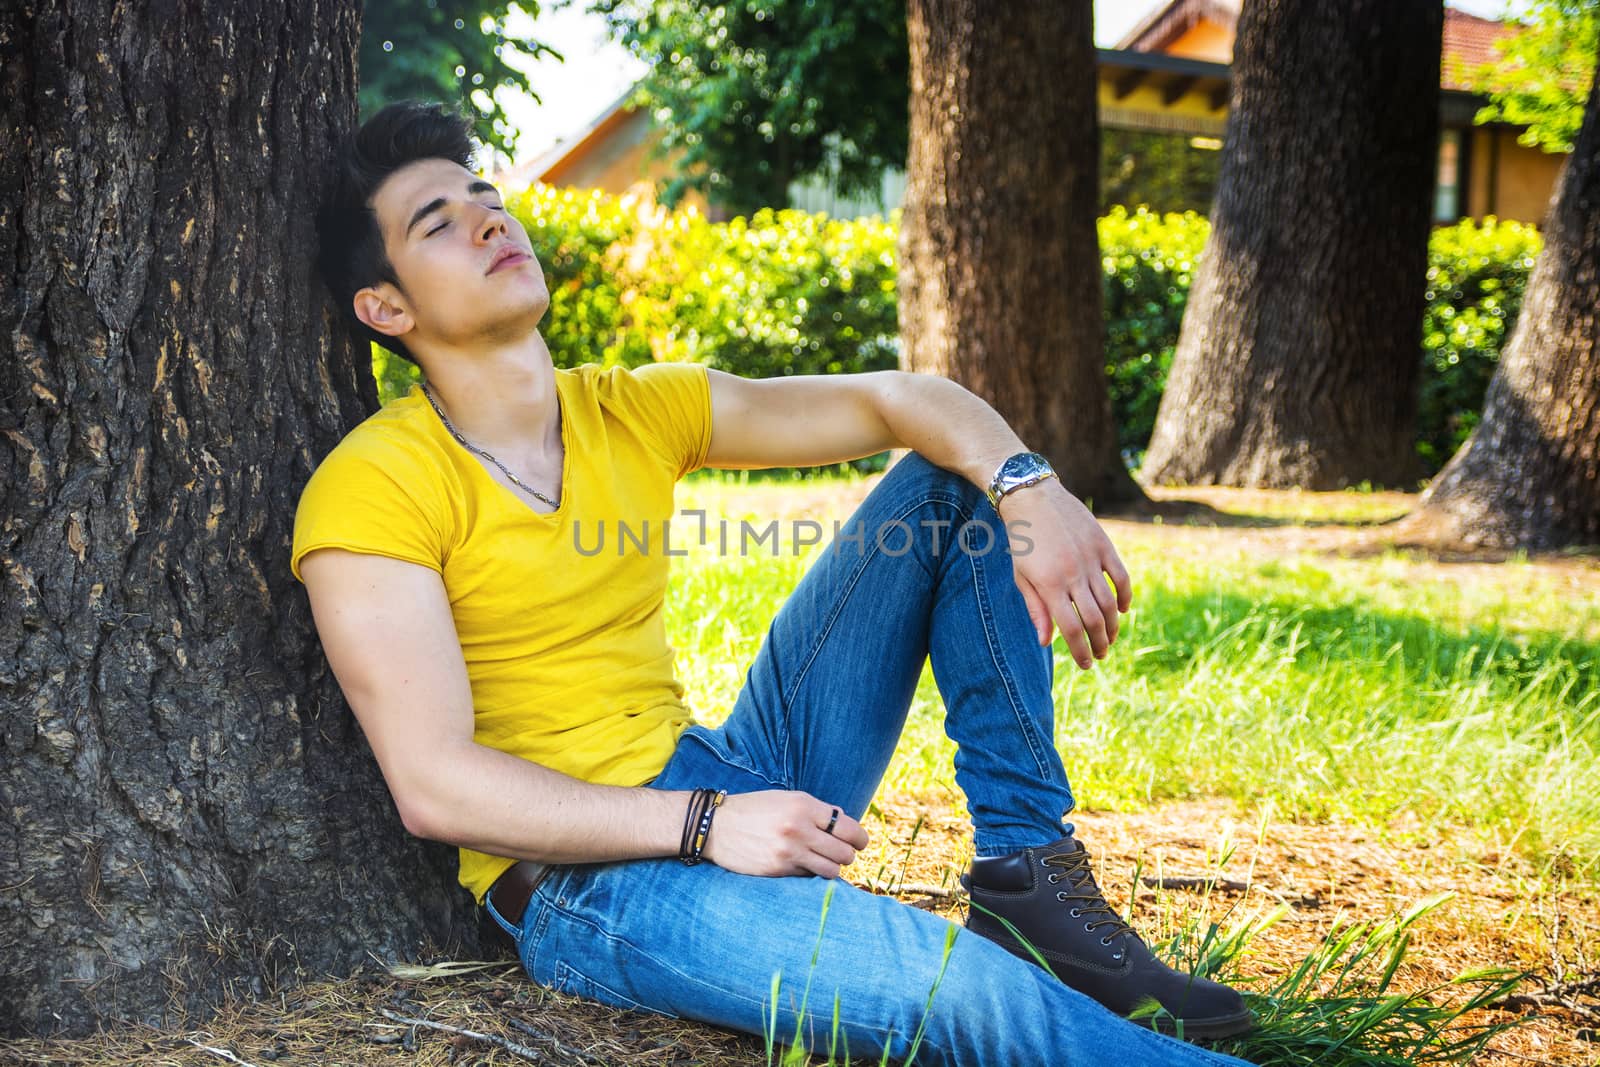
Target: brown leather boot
pixel 1049 895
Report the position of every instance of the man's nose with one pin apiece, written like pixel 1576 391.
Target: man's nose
pixel 494 222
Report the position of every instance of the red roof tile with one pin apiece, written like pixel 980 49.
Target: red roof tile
pixel 1469 44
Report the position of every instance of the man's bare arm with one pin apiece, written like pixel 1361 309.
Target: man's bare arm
pixel 387 630
pixel 817 419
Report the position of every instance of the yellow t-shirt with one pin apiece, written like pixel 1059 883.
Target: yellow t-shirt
pixel 559 615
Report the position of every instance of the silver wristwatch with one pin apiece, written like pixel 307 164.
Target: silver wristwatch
pixel 1018 472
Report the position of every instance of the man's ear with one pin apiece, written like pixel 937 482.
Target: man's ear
pixel 378 307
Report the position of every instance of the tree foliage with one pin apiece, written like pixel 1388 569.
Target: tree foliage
pixel 447 50
pixel 1544 72
pixel 1160 171
pixel 759 93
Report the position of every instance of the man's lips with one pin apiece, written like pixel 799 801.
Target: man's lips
pixel 508 259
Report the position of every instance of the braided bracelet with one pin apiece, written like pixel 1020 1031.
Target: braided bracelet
pixel 706 803
pixel 698 798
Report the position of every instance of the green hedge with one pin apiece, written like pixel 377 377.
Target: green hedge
pixel 1148 261
pixel 779 293
pixel 1476 277
pixel 790 293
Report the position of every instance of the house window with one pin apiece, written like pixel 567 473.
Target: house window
pixel 1447 187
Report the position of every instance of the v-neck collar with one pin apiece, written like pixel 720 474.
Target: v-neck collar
pixel 562 406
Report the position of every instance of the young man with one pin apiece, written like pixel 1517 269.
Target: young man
pixel 517 687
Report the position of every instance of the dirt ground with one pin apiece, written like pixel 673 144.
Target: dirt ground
pixel 1501 911
pixel 1274 523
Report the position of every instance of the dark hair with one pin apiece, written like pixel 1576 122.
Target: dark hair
pixel 351 255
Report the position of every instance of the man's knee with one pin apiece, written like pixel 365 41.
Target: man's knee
pixel 915 473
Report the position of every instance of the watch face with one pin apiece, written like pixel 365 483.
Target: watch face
pixel 1024 468
pixel 1025 465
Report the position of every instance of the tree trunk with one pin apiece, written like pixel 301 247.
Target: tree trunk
pixel 1000 281
pixel 1529 476
pixel 189 810
pixel 1301 346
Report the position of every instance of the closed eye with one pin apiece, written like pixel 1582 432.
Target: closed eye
pixel 442 225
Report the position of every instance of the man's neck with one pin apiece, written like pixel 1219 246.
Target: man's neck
pixel 502 399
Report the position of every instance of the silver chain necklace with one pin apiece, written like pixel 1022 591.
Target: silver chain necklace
pixel 470 447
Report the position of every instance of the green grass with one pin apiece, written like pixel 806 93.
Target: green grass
pixel 1339 1007
pixel 1330 688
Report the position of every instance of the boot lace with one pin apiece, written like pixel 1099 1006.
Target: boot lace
pixel 1084 895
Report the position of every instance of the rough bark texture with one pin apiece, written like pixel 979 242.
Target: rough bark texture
pixel 999 258
pixel 188 809
pixel 1301 347
pixel 1529 477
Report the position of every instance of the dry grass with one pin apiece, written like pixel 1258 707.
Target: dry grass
pixel 1502 913
pixel 362 1021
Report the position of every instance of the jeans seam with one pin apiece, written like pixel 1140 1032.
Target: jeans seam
pixel 529 943
pixel 572 973
pixel 933 496
pixel 513 932
pixel 1003 669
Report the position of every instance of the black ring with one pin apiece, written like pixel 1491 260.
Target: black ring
pixel 833 820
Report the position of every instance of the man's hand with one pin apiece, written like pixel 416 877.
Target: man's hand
pixel 779 832
pixel 1063 574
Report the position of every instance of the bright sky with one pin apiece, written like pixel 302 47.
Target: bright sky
pixel 573 93
pixel 597 71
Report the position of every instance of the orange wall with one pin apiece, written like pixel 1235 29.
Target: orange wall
pixel 1205 40
pixel 618 156
pixel 1510 180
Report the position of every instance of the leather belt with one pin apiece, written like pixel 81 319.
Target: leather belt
pixel 512 891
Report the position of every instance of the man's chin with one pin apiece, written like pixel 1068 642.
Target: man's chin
pixel 511 326
pixel 526 308
pixel 521 305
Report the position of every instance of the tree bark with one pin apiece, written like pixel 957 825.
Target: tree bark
pixel 1000 280
pixel 189 811
pixel 1529 476
pixel 1298 360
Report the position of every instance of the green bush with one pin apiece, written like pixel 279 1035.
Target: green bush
pixel 1148 261
pixel 1476 276
pixel 784 292
pixel 395 374
pixel 791 293
pixel 779 293
pixel 1477 272
pixel 585 241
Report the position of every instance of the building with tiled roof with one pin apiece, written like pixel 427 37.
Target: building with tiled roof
pixel 1468 45
pixel 1169 77
pixel 1483 170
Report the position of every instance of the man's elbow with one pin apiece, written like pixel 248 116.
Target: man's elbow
pixel 418 820
pixel 424 816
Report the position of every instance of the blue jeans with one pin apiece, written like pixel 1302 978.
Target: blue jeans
pixel 921 569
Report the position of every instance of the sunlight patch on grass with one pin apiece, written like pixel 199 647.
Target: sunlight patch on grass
pixel 1333 688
